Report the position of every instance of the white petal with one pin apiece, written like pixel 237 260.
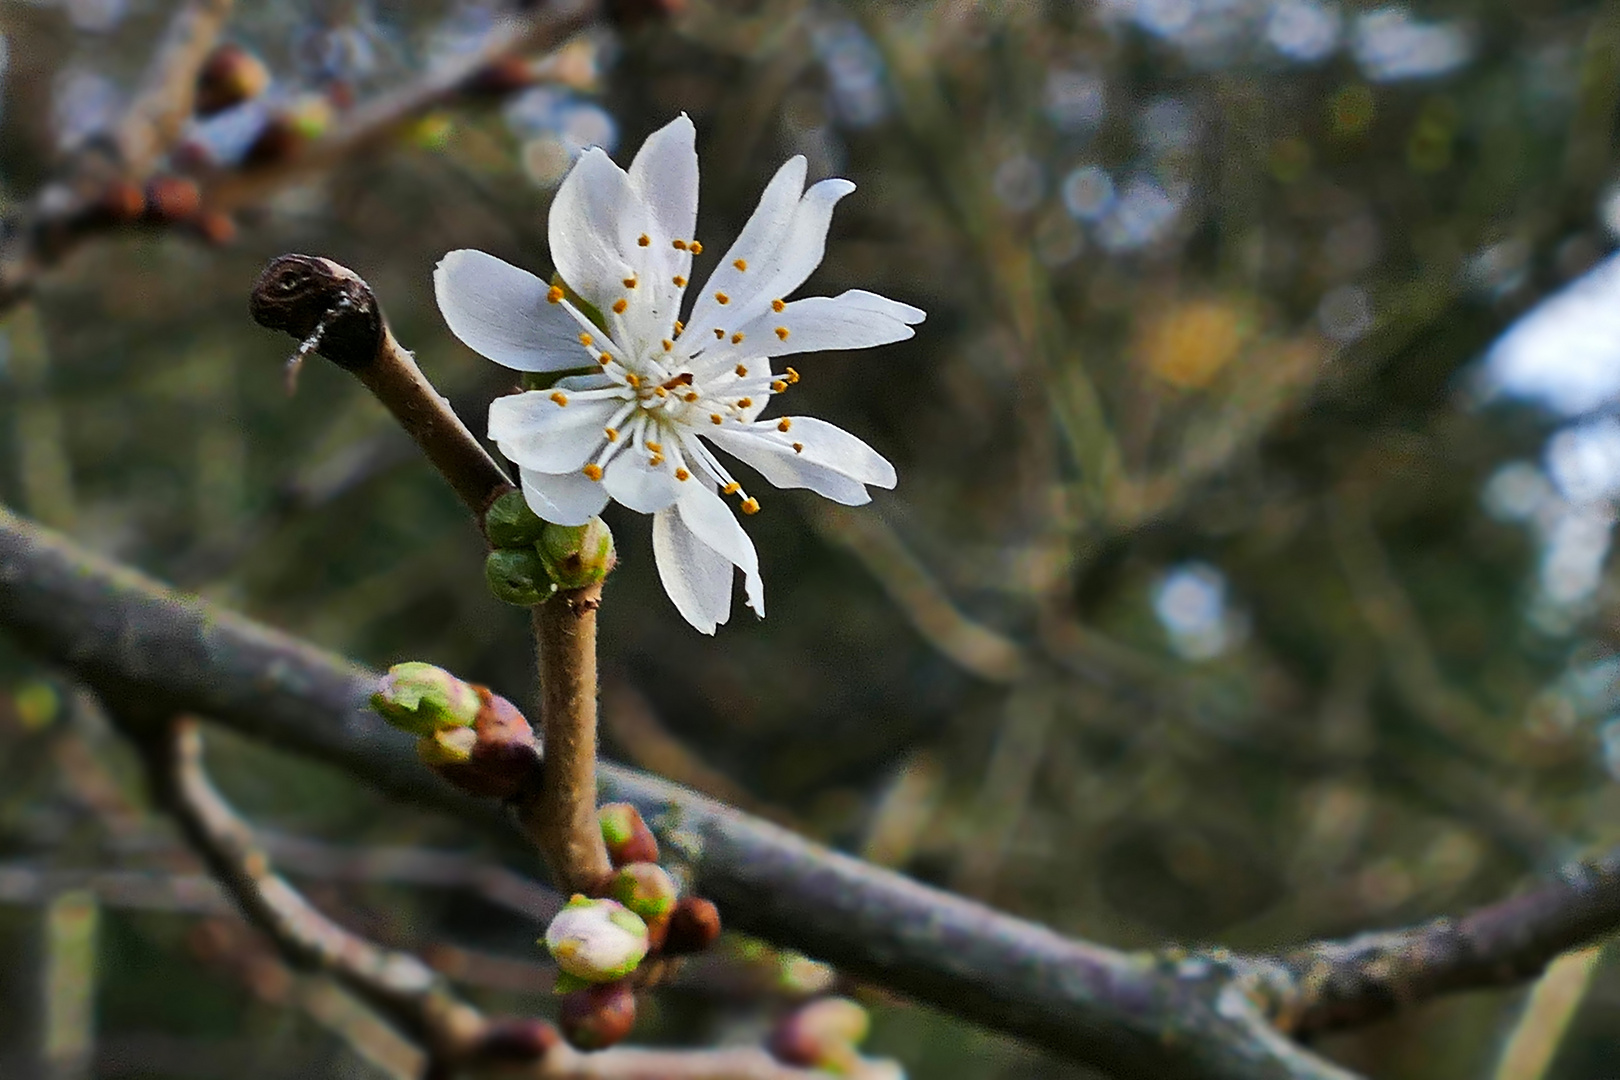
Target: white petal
pixel 535 432
pixel 833 463
pixel 696 577
pixel 852 320
pixel 502 312
pixel 665 176
pixel 570 498
pixel 756 246
pixel 595 222
pixel 715 524
pixel 639 485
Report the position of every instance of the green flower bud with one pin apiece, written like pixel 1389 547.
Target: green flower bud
pixel 517 576
pixel 626 835
pixel 424 699
pixel 596 940
pixel 509 523
pixel 646 889
pixel 451 746
pixel 823 1035
pixel 577 555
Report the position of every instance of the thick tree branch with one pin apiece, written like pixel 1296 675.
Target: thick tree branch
pixel 132 640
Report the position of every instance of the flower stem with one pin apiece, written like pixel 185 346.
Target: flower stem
pixel 560 814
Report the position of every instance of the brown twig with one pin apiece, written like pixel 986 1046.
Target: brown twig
pixel 403 989
pixel 316 300
pixel 560 814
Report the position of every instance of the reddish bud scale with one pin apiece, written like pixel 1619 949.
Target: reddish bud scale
pixel 626 835
pixel 694 925
pixel 171 200
pixel 503 759
pixel 598 1016
pixel 230 76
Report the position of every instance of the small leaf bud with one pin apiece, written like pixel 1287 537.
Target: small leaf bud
pixel 517 576
pixel 597 940
pixel 230 76
pixel 577 555
pixel 694 925
pixel 646 889
pixel 424 699
pixel 504 756
pixel 822 1034
pixel 626 835
pixel 448 746
pixel 509 523
pixel 599 1016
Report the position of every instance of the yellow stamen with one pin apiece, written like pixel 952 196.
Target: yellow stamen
pixel 740 264
pixel 656 460
pixel 644 240
pixel 585 340
pixel 742 372
pixel 731 488
pixel 619 305
pixel 680 328
pixel 611 433
pixel 736 339
pixel 634 380
pixel 792 376
pixel 605 359
pixel 778 386
pixel 554 294
pixel 784 424
pixel 695 247
pixel 660 391
pixel 782 333
pixel 798 448
pixel 680 282
pixel 690 396
pixel 656 448
pixel 714 418
pixel 777 305
pixel 679 245
pixel 668 344
pixel 749 506
pixel 682 474
pixel 559 397
pixel 629 282
pixel 743 403
pixel 593 470
pixel 722 298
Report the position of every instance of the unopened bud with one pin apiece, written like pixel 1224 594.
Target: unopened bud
pixel 646 889
pixel 516 1040
pixel 626 835
pixel 517 576
pixel 577 555
pixel 597 940
pixel 448 746
pixel 230 76
pixel 286 133
pixel 172 199
pixel 424 699
pixel 509 523
pixel 822 1034
pixel 694 925
pixel 503 758
pixel 598 1016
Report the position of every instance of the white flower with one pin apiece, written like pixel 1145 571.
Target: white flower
pixel 638 428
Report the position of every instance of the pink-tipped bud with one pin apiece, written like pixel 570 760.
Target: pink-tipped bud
pixel 598 1016
pixel 694 925
pixel 503 757
pixel 597 940
pixel 646 889
pixel 424 699
pixel 626 835
pixel 822 1034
